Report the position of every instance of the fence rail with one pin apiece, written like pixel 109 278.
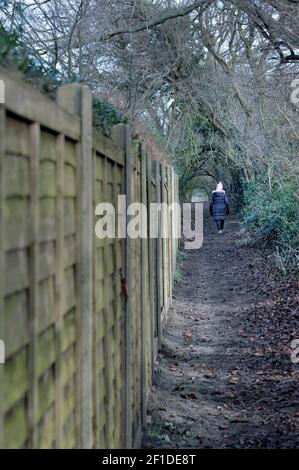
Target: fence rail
pixel 80 316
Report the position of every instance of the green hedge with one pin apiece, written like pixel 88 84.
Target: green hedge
pixel 105 116
pixel 272 214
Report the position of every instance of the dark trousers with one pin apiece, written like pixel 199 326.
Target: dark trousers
pixel 219 224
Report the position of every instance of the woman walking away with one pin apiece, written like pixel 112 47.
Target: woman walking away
pixel 219 207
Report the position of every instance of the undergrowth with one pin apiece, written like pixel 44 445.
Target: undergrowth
pixel 271 216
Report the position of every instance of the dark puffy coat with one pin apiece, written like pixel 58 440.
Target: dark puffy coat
pixel 219 206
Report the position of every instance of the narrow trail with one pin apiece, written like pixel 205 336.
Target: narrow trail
pixel 225 376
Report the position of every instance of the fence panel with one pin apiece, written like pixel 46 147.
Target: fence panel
pixel 81 316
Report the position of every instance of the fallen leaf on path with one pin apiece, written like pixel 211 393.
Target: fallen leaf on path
pixel 191 396
pixel 213 413
pixel 187 335
pixel 222 426
pixel 239 420
pixel 233 380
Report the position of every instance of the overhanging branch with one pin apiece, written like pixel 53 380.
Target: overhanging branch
pixel 178 12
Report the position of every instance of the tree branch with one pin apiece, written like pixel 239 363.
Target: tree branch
pixel 178 12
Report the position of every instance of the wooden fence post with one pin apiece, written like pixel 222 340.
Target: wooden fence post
pixel 77 99
pixel 34 282
pixel 119 136
pixel 2 264
pixel 151 267
pixel 59 277
pixel 164 240
pixel 174 223
pixel 159 277
pixel 144 288
pixel 128 277
pixel 170 232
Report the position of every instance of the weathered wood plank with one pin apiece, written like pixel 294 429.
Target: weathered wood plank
pixel 16 323
pixel 59 286
pixel 46 393
pixel 16 221
pixel 118 342
pixel 34 283
pixel 68 364
pixel 77 98
pixel 129 281
pixel 25 101
pixel 45 355
pixel 164 224
pixel 46 303
pixel 86 271
pixel 78 377
pixel 151 265
pixel 107 148
pixel 47 183
pixel 2 259
pixel 16 379
pixel 17 126
pixel 95 359
pixel 17 419
pixel 16 178
pixel 47 428
pixel 144 289
pixel 159 277
pixel 107 323
pixel 170 235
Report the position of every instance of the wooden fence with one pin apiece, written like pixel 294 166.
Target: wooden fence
pixel 80 316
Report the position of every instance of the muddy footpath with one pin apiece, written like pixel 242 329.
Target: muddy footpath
pixel 225 376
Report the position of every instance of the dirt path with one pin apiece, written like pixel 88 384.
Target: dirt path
pixel 225 377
